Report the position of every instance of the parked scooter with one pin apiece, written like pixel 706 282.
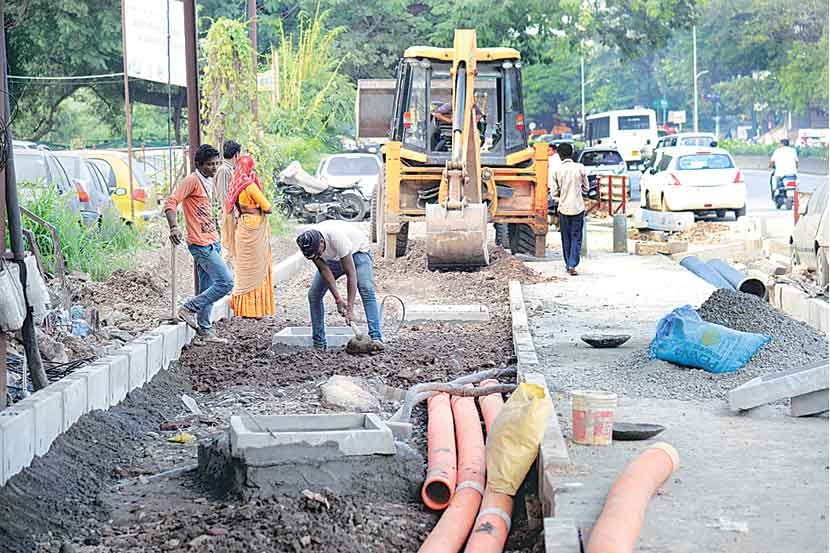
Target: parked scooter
pixel 305 197
pixel 783 190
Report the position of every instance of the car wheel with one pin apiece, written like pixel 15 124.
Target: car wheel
pixel 648 200
pixel 741 212
pixel 794 259
pixel 663 205
pixel 822 270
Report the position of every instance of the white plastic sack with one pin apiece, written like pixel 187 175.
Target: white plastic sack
pixel 295 174
pixel 12 302
pixel 36 292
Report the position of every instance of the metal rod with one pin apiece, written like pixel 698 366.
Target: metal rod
pixel 694 70
pixel 127 108
pixel 193 130
pixel 252 35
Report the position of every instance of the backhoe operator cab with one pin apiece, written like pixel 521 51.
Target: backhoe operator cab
pixel 458 157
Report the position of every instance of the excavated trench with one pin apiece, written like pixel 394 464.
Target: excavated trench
pixel 91 490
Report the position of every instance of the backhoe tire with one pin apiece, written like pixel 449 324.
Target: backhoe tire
pixel 502 235
pixel 522 239
pixel 402 240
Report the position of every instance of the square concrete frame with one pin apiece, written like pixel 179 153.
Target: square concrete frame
pixel 300 337
pixel 97 380
pixel 352 433
pixel 119 377
pixel 773 387
pixel 47 408
pixel 155 353
pixel 73 392
pixel 17 441
pixel 171 346
pixel 136 355
pixel 422 312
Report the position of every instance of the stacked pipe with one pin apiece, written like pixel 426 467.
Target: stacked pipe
pixel 464 505
pixel 721 275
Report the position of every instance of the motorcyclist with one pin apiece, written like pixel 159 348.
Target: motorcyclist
pixel 784 163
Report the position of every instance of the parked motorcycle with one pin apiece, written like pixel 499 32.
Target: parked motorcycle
pixel 783 190
pixel 305 197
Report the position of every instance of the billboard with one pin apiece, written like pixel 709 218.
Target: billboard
pixel 146 25
pixel 677 117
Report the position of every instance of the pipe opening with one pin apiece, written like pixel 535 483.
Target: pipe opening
pixel 753 286
pixel 438 492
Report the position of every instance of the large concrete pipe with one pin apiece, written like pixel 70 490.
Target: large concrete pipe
pixel 706 272
pixel 738 280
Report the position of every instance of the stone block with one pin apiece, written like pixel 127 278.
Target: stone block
pixel 74 401
pixel 171 348
pixel 446 313
pixel 155 353
pixel 300 337
pixel 97 380
pixel 773 387
pixel 17 441
pixel 561 536
pixel 47 407
pixel 810 404
pixel 272 438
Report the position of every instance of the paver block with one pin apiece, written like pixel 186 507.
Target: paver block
pixel 17 440
pixel 447 313
pixel 810 404
pixel 47 408
pixel 300 337
pixel 773 387
pixel 170 335
pixel 136 355
pixel 73 392
pixel 561 536
pixel 97 379
pixel 155 353
pixel 270 438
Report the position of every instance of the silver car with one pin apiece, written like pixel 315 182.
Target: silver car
pixel 809 240
pixel 36 169
pixel 92 188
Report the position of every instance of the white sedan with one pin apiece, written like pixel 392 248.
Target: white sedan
pixel 702 180
pixel 343 169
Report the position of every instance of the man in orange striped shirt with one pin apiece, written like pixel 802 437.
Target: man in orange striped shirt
pixel 215 279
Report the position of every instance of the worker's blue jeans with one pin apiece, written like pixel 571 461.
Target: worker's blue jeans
pixel 215 281
pixel 366 288
pixel 570 227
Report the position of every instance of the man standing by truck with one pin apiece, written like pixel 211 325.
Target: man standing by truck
pixel 568 183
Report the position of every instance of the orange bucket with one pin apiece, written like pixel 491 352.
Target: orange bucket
pixel 592 416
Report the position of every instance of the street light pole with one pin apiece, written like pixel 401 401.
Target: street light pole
pixel 694 70
pixel 582 79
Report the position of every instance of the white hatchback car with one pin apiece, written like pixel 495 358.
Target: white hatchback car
pixel 344 169
pixel 701 180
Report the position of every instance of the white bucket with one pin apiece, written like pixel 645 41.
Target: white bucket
pixel 592 416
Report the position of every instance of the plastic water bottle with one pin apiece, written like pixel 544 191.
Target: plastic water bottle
pixel 77 316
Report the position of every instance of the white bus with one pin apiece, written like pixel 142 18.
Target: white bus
pixel 626 129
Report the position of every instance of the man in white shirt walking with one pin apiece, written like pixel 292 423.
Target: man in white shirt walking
pixel 567 183
pixel 339 248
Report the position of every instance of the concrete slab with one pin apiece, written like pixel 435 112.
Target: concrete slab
pixel 221 309
pixel 136 355
pixel 47 407
pixel 522 339
pixel 274 437
pixel 666 220
pixel 17 441
pixel 418 312
pixel 300 337
pixel 155 353
pixel 170 348
pixel 773 387
pixel 97 379
pixel 810 404
pixel 561 536
pixel 73 392
pixel 288 268
pixel 119 372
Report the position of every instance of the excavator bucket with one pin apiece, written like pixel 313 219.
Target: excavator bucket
pixel 457 238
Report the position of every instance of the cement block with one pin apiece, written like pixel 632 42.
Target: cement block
pixel 561 536
pixel 810 404
pixel 47 408
pixel 97 380
pixel 171 348
pixel 155 353
pixel 136 355
pixel 221 309
pixel 819 315
pixel 518 312
pixel 17 441
pixel 300 337
pixel 274 437
pixel 666 220
pixel 119 372
pixel 400 430
pixel 773 387
pixel 73 392
pixel 288 268
pixel 446 313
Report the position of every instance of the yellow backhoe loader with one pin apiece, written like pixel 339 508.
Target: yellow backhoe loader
pixel 457 157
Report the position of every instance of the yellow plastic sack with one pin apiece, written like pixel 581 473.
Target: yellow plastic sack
pixel 514 439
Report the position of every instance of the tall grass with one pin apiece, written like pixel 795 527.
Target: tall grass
pixel 96 250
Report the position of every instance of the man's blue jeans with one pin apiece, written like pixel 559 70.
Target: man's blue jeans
pixel 215 281
pixel 570 228
pixel 366 288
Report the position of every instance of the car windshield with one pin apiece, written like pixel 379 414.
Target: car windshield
pixel 696 141
pixel 352 166
pixel 704 161
pixel 30 168
pixel 605 157
pixel 633 123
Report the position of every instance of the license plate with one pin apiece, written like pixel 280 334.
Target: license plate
pixel 635 153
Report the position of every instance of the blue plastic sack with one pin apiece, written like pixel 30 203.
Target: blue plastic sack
pixel 684 338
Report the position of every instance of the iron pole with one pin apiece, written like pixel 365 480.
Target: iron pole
pixel 193 130
pixel 127 109
pixel 694 70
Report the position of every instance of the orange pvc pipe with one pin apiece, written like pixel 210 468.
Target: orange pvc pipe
pixel 455 524
pixel 493 522
pixel 622 517
pixel 439 485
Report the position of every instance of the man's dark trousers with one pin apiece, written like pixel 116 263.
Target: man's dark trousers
pixel 570 227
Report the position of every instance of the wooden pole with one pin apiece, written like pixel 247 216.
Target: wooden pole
pixel 127 108
pixel 252 35
pixel 193 130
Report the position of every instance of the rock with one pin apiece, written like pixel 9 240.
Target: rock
pixel 78 275
pixel 51 349
pixel 67 547
pixel 346 393
pixel 122 335
pixel 112 316
pixel 199 540
pixel 92 540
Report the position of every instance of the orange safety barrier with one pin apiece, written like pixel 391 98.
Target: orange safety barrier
pixel 439 485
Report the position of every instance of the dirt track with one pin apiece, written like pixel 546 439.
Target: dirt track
pixel 176 514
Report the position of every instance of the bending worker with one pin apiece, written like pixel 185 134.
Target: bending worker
pixel 339 248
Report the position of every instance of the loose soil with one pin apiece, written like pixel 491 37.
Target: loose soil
pixel 73 501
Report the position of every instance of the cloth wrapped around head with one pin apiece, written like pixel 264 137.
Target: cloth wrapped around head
pixel 243 176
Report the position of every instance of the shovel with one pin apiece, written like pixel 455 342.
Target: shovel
pixel 174 318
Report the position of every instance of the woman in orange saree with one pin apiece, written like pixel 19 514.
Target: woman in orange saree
pixel 249 240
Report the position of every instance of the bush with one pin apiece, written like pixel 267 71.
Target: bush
pixel 97 250
pixel 741 148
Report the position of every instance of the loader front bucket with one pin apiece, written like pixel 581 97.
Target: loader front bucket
pixel 457 238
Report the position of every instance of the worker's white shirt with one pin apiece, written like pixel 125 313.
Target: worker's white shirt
pixel 342 239
pixel 568 183
pixel 785 159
